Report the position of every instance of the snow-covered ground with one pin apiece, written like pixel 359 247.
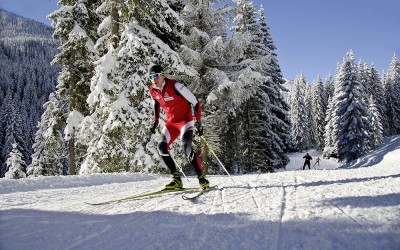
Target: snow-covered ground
pixel 353 207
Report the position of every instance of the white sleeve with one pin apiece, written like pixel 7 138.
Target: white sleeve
pixel 186 93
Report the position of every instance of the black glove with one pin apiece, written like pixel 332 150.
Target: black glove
pixel 199 128
pixel 153 129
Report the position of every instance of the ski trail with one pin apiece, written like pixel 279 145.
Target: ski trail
pixel 281 215
pixel 218 203
pixel 89 237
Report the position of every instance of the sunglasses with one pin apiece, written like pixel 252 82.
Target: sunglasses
pixel 154 76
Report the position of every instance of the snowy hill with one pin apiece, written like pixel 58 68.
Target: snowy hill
pixel 356 207
pixel 16 27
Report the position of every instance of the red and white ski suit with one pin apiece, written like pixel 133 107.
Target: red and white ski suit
pixel 181 109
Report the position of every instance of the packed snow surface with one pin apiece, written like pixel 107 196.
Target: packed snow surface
pixel 356 206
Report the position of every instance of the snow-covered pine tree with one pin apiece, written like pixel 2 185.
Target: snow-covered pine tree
pixel 15 164
pixel 298 112
pixel 13 134
pixel 350 112
pixel 75 27
pixel 276 91
pixel 318 113
pixel 374 97
pixel 392 94
pixel 309 134
pixel 257 68
pixel 376 132
pixel 117 129
pixel 204 49
pixel 377 91
pixel 329 88
pixel 329 147
pixel 49 147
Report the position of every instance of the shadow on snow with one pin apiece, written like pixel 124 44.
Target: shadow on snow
pixel 34 229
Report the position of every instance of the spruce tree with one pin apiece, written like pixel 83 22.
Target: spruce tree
pixel 75 25
pixel 350 112
pixel 14 135
pixel 318 113
pixel 49 149
pixel 329 147
pixel 297 112
pixel 257 70
pixel 204 38
pixel 15 164
pixel 392 94
pixel 376 132
pixel 377 91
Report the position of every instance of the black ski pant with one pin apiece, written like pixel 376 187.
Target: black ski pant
pixel 194 159
pixel 306 163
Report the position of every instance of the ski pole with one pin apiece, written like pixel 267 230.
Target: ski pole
pixel 216 157
pixel 180 169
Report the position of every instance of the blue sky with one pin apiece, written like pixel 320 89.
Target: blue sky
pixel 311 36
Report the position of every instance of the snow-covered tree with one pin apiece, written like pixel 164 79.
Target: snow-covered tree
pixel 329 137
pixel 279 115
pixel 298 112
pixel 392 96
pixel 15 164
pixel 49 147
pixel 329 88
pixel 350 112
pixel 204 48
pixel 318 113
pixel 267 100
pixel 376 132
pixel 377 91
pixel 75 28
pixel 14 134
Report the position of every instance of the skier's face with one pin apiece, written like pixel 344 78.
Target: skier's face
pixel 156 78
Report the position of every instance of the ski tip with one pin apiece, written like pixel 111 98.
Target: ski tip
pixel 92 204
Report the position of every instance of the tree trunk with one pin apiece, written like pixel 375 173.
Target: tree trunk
pixel 114 25
pixel 72 105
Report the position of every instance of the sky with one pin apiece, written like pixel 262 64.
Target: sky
pixel 356 207
pixel 311 36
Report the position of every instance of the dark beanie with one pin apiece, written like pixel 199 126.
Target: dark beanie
pixel 156 69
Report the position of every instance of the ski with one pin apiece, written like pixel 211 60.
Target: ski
pixel 162 191
pixel 201 192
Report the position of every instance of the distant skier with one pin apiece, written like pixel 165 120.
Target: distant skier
pixel 317 161
pixel 307 161
pixel 181 108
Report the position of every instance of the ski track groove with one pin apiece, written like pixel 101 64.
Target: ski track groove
pixel 282 213
pixel 329 203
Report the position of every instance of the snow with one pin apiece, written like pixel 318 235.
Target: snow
pixel 73 121
pixel 352 207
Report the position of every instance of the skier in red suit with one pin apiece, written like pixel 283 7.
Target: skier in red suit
pixel 182 110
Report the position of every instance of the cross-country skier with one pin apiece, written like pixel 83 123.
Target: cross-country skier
pixel 182 110
pixel 307 160
pixel 317 161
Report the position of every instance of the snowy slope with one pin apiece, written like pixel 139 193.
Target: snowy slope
pixel 356 207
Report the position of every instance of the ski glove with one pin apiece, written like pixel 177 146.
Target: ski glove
pixel 153 129
pixel 199 128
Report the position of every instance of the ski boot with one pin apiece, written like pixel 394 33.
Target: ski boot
pixel 176 182
pixel 204 183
